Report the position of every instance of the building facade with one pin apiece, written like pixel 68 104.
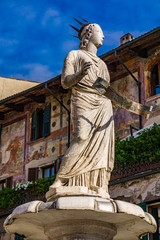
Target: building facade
pixel 34 133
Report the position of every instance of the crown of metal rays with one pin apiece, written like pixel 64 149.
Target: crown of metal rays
pixel 81 29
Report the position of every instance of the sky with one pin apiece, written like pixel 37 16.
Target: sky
pixel 35 36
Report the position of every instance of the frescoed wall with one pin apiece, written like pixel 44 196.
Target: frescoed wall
pixel 12 148
pixel 128 88
pixel 18 152
pixel 46 150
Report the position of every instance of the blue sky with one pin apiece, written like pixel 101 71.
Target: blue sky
pixel 35 36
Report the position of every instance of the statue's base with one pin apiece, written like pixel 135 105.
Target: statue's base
pixel 55 193
pixel 80 218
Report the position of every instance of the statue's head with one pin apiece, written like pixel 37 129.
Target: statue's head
pixel 89 33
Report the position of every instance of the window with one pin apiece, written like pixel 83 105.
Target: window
pixel 2 184
pixel 6 183
pixel 33 174
pixel 155 211
pixel 49 171
pixel 40 126
pixel 18 237
pixel 0 132
pixel 155 79
pixel 144 207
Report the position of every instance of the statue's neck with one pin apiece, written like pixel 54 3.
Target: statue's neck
pixel 91 48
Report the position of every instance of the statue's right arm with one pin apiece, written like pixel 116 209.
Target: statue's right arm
pixel 69 77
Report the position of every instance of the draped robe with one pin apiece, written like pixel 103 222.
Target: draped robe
pixel 90 158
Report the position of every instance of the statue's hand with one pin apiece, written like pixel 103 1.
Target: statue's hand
pixel 71 80
pixel 85 68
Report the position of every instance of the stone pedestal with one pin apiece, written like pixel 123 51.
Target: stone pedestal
pixel 80 218
pixel 63 191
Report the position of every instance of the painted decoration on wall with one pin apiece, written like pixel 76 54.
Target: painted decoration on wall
pixel 37 151
pixel 12 148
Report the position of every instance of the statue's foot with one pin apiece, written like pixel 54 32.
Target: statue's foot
pixel 57 183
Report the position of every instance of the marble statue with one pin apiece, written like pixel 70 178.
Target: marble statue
pixel 90 158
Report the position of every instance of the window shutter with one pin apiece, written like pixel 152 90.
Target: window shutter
pixel 144 207
pixel 18 237
pixel 155 215
pixel 47 120
pixel 9 182
pixel 34 125
pixel 0 132
pixel 32 174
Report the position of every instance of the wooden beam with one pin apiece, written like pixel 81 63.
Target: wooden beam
pixel 15 107
pixel 143 53
pixel 2 117
pixel 39 99
pixel 112 67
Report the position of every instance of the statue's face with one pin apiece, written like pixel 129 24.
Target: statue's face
pixel 97 36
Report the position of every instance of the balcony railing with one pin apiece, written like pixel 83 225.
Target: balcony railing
pixel 135 170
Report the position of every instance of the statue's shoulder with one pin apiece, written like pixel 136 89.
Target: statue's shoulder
pixel 71 56
pixel 72 53
pixel 103 63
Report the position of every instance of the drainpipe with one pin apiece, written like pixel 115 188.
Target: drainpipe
pixel 137 82
pixel 69 117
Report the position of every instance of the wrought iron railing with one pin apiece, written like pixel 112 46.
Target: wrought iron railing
pixel 138 168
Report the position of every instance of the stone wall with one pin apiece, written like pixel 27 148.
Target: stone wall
pixel 145 189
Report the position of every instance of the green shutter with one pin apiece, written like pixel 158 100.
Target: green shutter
pixel 47 120
pixel 18 237
pixel 155 215
pixel 34 125
pixel 0 132
pixel 144 207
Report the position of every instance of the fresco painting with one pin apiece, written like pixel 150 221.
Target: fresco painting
pixel 55 123
pixel 12 148
pixel 127 86
pixel 45 149
pixel 37 152
pixel 123 119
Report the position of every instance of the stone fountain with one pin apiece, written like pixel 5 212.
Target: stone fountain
pixel 78 204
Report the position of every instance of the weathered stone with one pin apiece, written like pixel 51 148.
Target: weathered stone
pixel 139 190
pixel 80 217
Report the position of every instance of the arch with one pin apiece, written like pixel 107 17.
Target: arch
pixel 152 76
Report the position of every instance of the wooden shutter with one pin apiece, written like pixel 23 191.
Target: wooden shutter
pixel 18 237
pixel 34 125
pixel 155 215
pixel 0 142
pixel 144 207
pixel 47 120
pixel 0 132
pixel 9 182
pixel 32 174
